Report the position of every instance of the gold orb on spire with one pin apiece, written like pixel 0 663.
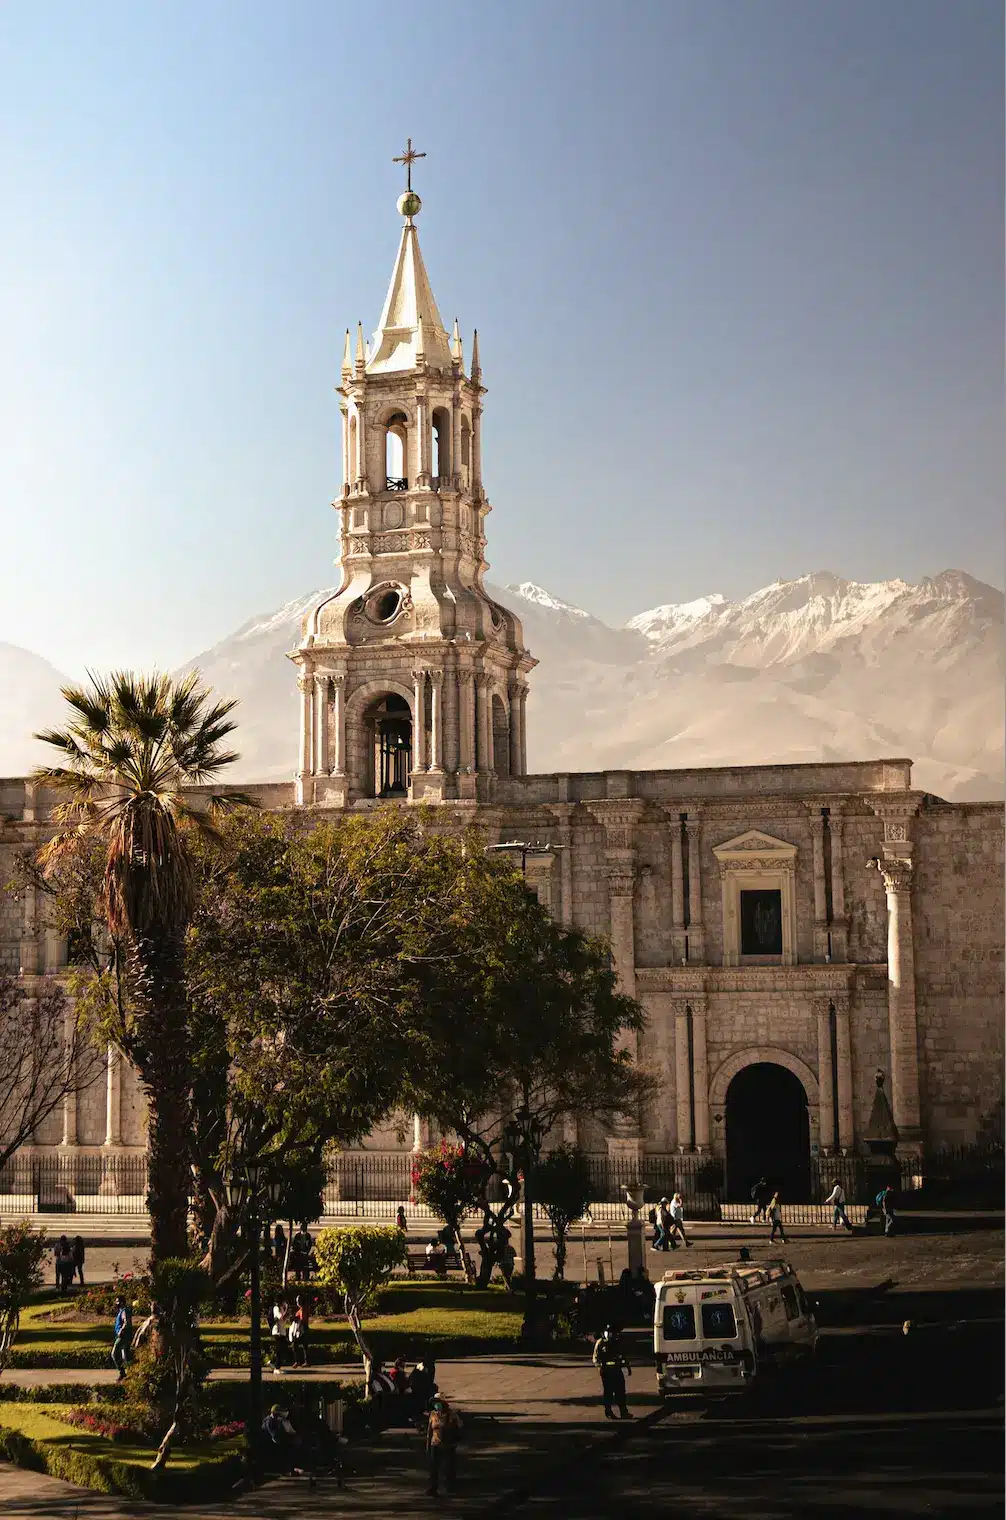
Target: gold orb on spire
pixel 409 204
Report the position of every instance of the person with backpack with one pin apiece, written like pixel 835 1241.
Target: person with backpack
pixel 885 1203
pixel 837 1200
pixel 122 1332
pixel 760 1195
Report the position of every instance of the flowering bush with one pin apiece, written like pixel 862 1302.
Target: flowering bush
pixel 228 1430
pixel 100 1299
pixel 101 1422
pixel 449 1181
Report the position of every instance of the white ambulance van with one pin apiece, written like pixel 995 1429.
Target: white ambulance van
pixel 719 1330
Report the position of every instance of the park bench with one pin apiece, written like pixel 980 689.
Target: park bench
pixel 418 1261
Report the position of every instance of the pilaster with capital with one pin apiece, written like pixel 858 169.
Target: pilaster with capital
pixel 825 1077
pixel 483 719
pixel 339 724
pixel 821 933
pixel 514 693
pixel 696 935
pixel 113 1097
pixel 305 685
pixel 419 720
pixel 839 921
pixel 466 722
pixel 895 866
pixel 436 720
pixel 321 760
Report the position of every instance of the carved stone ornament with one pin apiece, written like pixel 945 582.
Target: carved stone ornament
pixel 359 546
pixel 895 833
pixel 897 875
pixel 621 881
pixel 419 540
pixel 305 682
pixel 391 543
pixel 759 863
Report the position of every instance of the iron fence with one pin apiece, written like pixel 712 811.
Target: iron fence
pixel 372 1184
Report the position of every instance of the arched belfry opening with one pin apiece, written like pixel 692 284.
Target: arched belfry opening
pixel 767 1133
pixel 396 452
pixel 501 737
pixel 441 443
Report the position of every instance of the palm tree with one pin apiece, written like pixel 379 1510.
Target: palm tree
pixel 135 747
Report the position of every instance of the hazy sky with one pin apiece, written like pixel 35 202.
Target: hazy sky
pixel 735 265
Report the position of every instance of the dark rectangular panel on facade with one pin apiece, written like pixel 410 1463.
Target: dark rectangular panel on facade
pixel 761 923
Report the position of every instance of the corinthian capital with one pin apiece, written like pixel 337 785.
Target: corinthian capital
pixel 897 874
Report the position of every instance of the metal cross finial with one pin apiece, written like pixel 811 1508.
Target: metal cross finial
pixel 408 158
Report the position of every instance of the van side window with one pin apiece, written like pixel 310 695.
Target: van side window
pixel 718 1322
pixel 679 1322
pixel 790 1302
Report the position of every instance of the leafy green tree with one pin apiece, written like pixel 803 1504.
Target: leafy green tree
pixel 452 1183
pixel 21 1253
pixel 133 748
pixel 356 1261
pixel 564 1190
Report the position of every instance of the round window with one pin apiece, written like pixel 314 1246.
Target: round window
pixel 382 608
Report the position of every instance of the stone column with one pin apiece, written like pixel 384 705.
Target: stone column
pixel 623 939
pixel 696 938
pixel 339 724
pixel 466 721
pixel 839 925
pixel 113 1098
pixel 419 720
pixel 516 727
pixel 423 449
pixel 843 1050
pixel 321 761
pixel 682 1077
pixel 566 868
pixel 897 875
pixel 677 893
pixel 345 447
pixel 452 757
pixel 361 447
pixel 700 1074
pixel 29 933
pixel 820 896
pixel 483 724
pixel 825 1076
pixel 522 702
pixel 70 1098
pixel 477 452
pixel 436 720
pixel 305 686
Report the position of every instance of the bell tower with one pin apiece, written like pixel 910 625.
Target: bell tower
pixel 413 681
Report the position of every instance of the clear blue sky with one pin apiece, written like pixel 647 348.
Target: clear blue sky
pixel 735 265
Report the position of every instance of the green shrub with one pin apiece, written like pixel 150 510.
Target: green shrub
pixel 206 1480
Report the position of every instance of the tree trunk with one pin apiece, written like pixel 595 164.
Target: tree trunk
pixel 162 1054
pixel 353 1315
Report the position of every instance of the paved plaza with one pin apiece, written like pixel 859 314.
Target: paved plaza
pixel 891 1426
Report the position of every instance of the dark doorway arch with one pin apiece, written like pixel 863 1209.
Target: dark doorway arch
pixel 768 1133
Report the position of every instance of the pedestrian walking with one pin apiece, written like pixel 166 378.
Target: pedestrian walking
pixel 279 1245
pixel 64 1265
pixel 775 1217
pixel 78 1259
pixel 760 1195
pixel 837 1200
pixel 677 1226
pixel 401 1222
pixel 885 1203
pixel 612 1365
pixel 442 1432
pixel 122 1334
pixel 280 1334
pixel 662 1229
pixel 299 1327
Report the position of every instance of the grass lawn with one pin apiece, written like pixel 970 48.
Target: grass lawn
pixel 35 1437
pixel 411 1319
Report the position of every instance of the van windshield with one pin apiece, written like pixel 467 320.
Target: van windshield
pixel 718 1322
pixel 679 1322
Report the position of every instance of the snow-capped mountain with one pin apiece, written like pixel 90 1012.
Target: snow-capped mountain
pixel 814 668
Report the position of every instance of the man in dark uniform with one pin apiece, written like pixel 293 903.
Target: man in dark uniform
pixel 611 1364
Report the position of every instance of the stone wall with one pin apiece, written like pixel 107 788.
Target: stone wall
pixel 958 920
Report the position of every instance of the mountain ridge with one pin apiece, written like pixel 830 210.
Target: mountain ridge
pixel 812 668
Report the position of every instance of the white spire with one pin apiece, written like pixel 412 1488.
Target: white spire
pixel 347 358
pixel 396 341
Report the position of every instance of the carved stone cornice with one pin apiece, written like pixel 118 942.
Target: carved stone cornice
pixel 688 981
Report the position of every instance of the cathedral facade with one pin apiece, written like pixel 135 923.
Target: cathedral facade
pixel 790 930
